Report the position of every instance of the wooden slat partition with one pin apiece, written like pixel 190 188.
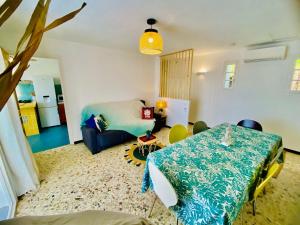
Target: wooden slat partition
pixel 175 74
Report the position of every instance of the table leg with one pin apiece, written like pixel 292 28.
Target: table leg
pixel 143 150
pixel 140 146
pixel 150 148
pixel 152 205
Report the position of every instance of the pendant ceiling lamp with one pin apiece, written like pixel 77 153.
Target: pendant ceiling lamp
pixel 151 42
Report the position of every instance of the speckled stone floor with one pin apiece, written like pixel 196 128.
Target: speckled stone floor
pixel 74 180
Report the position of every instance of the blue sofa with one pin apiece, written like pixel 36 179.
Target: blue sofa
pixel 97 141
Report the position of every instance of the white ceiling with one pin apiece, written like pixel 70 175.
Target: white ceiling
pixel 201 24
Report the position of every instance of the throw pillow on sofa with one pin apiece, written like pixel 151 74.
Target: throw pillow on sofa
pixel 147 113
pixel 101 123
pixel 90 122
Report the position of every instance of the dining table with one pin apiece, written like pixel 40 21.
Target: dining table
pixel 213 181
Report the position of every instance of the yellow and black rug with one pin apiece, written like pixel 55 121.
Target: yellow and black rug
pixel 135 156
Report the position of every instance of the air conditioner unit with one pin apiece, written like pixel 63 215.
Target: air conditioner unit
pixel 265 54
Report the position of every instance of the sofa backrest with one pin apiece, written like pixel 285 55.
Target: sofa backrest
pixel 113 111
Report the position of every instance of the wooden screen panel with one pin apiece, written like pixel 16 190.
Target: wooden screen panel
pixel 175 74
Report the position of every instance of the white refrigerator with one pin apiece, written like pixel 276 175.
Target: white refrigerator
pixel 46 100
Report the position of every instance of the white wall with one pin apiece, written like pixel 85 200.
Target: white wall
pixel 42 67
pixel 91 74
pixel 260 92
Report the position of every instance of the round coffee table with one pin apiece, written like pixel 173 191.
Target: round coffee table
pixel 144 141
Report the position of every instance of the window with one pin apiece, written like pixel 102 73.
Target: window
pixel 295 86
pixel 230 70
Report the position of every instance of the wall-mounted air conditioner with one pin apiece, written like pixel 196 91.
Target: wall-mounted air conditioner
pixel 265 54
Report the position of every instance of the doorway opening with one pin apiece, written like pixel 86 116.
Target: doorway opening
pixel 41 105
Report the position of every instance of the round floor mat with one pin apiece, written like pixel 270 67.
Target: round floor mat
pixel 134 154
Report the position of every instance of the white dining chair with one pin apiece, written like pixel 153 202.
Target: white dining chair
pixel 162 188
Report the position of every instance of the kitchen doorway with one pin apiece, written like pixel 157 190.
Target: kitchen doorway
pixel 41 105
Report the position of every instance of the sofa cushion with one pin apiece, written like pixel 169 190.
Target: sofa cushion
pixel 110 138
pixel 147 113
pixel 90 122
pixel 101 123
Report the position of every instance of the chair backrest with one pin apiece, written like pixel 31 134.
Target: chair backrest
pixel 280 159
pixel 199 126
pixel 271 172
pixel 162 187
pixel 252 124
pixel 177 133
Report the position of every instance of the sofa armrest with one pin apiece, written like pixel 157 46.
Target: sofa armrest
pixel 89 136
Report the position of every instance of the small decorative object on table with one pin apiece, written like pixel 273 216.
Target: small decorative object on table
pixel 148 134
pixel 227 137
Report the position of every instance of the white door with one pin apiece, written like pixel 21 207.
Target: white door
pixel 49 116
pixel 44 91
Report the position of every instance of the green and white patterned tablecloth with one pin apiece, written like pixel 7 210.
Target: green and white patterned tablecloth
pixel 213 181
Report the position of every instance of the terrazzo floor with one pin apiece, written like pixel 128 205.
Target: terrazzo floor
pixel 74 180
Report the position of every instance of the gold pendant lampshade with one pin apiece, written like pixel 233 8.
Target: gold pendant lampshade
pixel 151 42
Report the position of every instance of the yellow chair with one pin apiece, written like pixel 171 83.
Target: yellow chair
pixel 177 133
pixel 273 170
pixel 280 164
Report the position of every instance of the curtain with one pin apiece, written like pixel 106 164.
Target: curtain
pixel 7 193
pixel 22 167
pixel 175 74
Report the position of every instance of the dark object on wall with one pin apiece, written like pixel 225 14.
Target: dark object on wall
pixel 199 126
pixel 97 141
pixel 160 122
pixel 62 113
pixel 252 124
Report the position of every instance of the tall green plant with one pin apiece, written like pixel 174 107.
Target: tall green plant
pixel 28 44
